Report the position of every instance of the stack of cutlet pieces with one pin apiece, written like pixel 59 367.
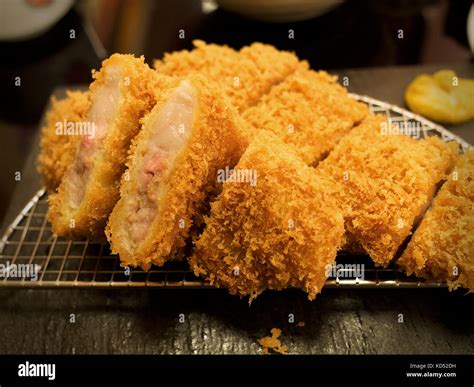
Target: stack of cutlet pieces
pixel 265 167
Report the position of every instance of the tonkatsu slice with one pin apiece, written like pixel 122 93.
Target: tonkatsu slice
pixel 384 183
pixel 442 248
pixel 191 133
pixel 119 96
pixel 244 75
pixel 274 225
pixel 308 110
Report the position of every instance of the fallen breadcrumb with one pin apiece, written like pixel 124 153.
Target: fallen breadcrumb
pixel 280 229
pixel 442 247
pixel 384 182
pixel 244 75
pixel 273 343
pixel 57 148
pixel 309 110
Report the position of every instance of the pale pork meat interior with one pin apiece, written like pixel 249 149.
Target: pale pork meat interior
pixel 167 132
pixel 104 104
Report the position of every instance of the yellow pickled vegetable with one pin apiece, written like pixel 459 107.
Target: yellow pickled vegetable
pixel 442 97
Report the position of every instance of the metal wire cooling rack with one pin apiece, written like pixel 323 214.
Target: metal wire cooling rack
pixel 29 241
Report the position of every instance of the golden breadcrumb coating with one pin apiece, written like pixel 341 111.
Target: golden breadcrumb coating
pixel 244 75
pixel 102 188
pixel 309 110
pixel 214 142
pixel 442 248
pixel 282 231
pixel 383 183
pixel 442 97
pixel 57 148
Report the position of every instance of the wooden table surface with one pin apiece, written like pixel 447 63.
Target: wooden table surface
pixel 151 321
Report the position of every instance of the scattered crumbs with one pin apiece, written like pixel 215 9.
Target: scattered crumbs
pixel 273 343
pixel 301 324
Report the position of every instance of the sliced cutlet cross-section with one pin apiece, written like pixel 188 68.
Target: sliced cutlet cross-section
pixel 244 75
pixel 190 134
pixel 308 110
pixel 384 183
pixel 119 97
pixel 442 247
pixel 275 225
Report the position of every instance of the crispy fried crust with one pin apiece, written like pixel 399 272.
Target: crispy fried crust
pixel 281 232
pixel 244 75
pixel 383 183
pixel 214 142
pixel 102 191
pixel 442 247
pixel 57 149
pixel 309 110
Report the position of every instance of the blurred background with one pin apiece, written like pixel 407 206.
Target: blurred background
pixel 45 44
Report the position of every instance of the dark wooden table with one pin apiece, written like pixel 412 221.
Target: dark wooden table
pixel 151 321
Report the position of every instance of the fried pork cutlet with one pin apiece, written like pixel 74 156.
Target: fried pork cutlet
pixel 191 133
pixel 119 97
pixel 442 247
pixel 244 75
pixel 384 182
pixel 309 110
pixel 273 226
pixel 57 144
